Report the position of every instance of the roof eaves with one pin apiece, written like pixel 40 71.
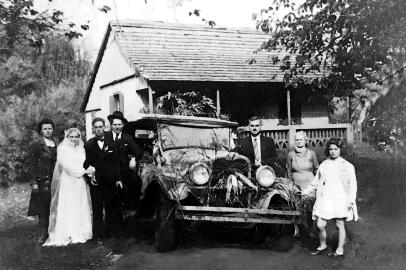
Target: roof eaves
pixel 177 25
pixel 95 68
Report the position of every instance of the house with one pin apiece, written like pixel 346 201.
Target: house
pixel 141 60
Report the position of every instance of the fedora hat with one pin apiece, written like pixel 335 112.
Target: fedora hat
pixel 117 115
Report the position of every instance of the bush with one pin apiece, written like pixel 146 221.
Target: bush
pixel 46 85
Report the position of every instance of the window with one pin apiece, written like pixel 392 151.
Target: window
pixel 117 102
pixel 116 98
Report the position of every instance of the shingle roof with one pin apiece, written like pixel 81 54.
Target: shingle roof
pixel 168 51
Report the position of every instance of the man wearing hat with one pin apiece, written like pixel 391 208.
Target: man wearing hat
pixel 129 153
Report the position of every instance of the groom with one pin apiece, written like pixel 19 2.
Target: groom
pixel 102 154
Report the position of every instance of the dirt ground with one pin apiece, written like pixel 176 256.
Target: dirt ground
pixel 377 241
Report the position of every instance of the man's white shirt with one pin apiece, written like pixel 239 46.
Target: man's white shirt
pixel 258 138
pixel 100 143
pixel 115 134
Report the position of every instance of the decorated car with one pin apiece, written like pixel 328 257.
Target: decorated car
pixel 193 175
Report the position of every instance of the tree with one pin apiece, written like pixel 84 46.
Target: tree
pixel 51 86
pixel 360 42
pixel 22 24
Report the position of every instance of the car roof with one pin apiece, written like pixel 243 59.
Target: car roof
pixel 150 121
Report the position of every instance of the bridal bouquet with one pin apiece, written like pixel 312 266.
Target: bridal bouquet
pixel 90 171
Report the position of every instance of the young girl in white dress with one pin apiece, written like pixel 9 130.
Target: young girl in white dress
pixel 336 188
pixel 70 218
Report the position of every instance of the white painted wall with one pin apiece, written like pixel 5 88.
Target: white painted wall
pixel 132 101
pixel 114 67
pixel 320 120
pixel 88 121
pixel 270 124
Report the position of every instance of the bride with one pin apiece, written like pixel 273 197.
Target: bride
pixel 70 218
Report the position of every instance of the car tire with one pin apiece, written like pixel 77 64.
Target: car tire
pixel 164 224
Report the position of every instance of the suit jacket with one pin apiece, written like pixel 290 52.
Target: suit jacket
pixel 41 159
pixel 127 148
pixel 106 161
pixel 268 150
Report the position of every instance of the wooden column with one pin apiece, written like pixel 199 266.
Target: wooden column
pixel 350 129
pixel 288 106
pixel 150 100
pixel 218 103
pixel 350 139
pixel 291 135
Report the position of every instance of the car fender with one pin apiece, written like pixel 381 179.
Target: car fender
pixel 264 200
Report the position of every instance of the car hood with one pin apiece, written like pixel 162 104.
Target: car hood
pixel 189 156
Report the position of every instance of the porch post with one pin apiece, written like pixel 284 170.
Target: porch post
pixel 291 134
pixel 150 100
pixel 350 139
pixel 288 106
pixel 218 103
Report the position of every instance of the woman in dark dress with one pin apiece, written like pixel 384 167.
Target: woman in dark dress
pixel 42 158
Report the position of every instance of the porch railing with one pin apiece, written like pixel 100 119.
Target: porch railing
pixel 317 135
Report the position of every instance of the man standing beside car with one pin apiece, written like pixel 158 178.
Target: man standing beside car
pixel 260 150
pixel 129 153
pixel 102 154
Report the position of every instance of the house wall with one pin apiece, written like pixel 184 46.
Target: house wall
pixel 312 114
pixel 114 67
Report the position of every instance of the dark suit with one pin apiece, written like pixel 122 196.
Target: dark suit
pixel 105 194
pixel 41 162
pixel 128 148
pixel 268 150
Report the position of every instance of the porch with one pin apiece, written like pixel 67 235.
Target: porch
pixel 284 112
pixel 317 135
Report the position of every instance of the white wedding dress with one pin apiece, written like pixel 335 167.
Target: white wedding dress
pixel 70 218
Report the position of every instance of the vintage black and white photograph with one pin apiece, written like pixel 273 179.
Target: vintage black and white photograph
pixel 202 134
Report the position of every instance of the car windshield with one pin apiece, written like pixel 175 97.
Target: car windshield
pixel 173 137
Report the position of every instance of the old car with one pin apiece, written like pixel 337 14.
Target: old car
pixel 192 175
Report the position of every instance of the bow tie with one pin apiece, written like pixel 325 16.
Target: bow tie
pixel 101 140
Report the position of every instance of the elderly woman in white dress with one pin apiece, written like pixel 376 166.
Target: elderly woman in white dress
pixel 70 218
pixel 336 188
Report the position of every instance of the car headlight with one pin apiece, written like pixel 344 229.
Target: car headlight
pixel 265 176
pixel 199 173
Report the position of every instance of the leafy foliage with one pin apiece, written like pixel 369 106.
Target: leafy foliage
pixel 186 103
pixel 58 62
pixel 196 12
pixel 358 41
pixel 22 24
pixel 47 85
pixel 388 116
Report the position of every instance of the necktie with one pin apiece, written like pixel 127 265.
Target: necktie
pixel 256 150
pixel 100 142
pixel 116 138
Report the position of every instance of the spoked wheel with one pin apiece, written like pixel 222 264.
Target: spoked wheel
pixel 164 224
